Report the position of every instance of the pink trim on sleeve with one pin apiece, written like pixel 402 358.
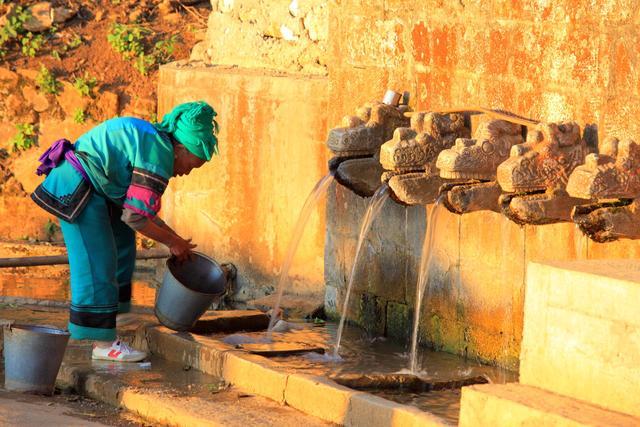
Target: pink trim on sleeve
pixel 150 198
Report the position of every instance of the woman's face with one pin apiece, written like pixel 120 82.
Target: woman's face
pixel 184 162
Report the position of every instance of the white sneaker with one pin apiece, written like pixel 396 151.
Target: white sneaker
pixel 118 352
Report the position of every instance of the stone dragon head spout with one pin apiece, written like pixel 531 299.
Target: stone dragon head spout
pixel 478 158
pixel 613 173
pixel 363 133
pixel 535 175
pixel 545 161
pixel 416 148
pixel 611 181
pixel 410 156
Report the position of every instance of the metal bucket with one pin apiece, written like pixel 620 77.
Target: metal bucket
pixel 32 357
pixel 187 290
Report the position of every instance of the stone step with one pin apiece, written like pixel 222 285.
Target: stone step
pixel 166 394
pixel 316 396
pixel 509 405
pixel 581 334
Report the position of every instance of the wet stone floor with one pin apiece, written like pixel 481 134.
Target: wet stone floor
pixel 152 375
pixel 360 353
pixel 22 410
pixel 207 396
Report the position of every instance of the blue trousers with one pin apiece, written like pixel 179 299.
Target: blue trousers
pixel 102 254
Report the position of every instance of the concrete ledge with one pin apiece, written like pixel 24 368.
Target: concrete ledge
pixel 253 376
pixel 319 397
pixel 199 352
pixel 581 334
pixel 171 406
pixel 316 396
pixel 369 410
pixel 511 405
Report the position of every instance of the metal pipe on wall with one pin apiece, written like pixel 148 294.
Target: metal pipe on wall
pixel 34 261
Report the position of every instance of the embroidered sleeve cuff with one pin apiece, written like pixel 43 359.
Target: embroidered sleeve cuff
pixel 144 193
pixel 137 206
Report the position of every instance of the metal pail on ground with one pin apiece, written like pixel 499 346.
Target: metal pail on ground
pixel 187 290
pixel 32 357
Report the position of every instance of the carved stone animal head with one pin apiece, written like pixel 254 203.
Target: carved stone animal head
pixel 479 157
pixel 364 133
pixel 552 151
pixel 416 148
pixel 613 173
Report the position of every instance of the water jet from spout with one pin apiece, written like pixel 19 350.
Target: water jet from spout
pixel 309 204
pixel 423 279
pixel 375 205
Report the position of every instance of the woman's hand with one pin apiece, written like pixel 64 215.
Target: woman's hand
pixel 182 249
pixel 179 247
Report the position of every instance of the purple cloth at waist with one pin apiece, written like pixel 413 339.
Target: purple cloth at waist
pixel 61 149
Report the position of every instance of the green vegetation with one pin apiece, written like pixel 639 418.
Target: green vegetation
pixel 31 44
pixel 47 82
pixel 72 44
pixel 13 29
pixel 85 85
pixel 131 42
pixel 13 35
pixel 79 116
pixel 144 63
pixel 25 138
pixel 163 49
pixel 9 305
pixel 75 42
pixel 127 40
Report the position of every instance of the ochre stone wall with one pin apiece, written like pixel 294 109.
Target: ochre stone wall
pixel 242 206
pixel 560 60
pixel 288 36
pixel 554 60
pixel 564 60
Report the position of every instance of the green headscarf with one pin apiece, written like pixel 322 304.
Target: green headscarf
pixel 193 125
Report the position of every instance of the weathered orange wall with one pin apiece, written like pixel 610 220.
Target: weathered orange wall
pixel 242 206
pixel 552 60
pixel 555 60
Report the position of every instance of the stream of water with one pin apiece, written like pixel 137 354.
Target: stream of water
pixel 308 207
pixel 580 243
pixel 423 280
pixel 375 205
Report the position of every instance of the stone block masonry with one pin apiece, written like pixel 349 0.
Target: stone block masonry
pixel 582 333
pixel 540 60
pixel 289 36
pixel 579 359
pixel 509 405
pixel 242 206
pixel 549 61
